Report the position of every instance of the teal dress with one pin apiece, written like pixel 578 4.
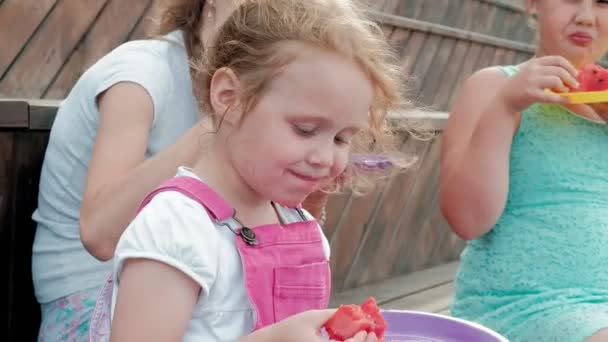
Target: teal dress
pixel 541 273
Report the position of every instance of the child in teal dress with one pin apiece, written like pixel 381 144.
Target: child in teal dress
pixel 525 179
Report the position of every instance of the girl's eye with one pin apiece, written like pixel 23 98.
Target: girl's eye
pixel 342 140
pixel 603 2
pixel 306 131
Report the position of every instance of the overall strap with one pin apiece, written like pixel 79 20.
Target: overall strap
pixel 198 191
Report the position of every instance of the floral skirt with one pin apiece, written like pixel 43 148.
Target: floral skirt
pixel 68 318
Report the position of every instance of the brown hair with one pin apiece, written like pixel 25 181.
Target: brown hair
pixel 247 43
pixel 185 15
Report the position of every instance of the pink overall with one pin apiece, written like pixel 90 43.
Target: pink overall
pixel 282 263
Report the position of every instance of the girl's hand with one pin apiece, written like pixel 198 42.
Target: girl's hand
pixel 303 327
pixel 536 75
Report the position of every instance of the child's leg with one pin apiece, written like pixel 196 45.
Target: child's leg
pixel 67 318
pixel 600 336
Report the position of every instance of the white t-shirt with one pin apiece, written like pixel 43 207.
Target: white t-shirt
pixel 61 266
pixel 177 230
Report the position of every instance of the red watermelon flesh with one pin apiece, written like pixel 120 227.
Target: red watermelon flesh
pixel 350 319
pixel 592 77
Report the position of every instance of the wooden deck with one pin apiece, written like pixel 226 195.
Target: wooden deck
pixel 429 290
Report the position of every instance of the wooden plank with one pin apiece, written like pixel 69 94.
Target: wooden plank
pixel 453 13
pixel 467 70
pixel 466 19
pixel 486 57
pixel 509 57
pixel 512 5
pixel 431 121
pixel 447 85
pixel 377 5
pixel 399 40
pixel 42 113
pixel 444 233
pixel 370 263
pixel 398 287
pixel 18 21
pixel 348 233
pixel 434 11
pixel 105 35
pixel 426 238
pixel 414 215
pixel 497 26
pixel 408 8
pixel 433 300
pixel 144 23
pixel 450 246
pixel 359 271
pixel 49 48
pixel 484 15
pixel 522 57
pixel 387 31
pixel 337 208
pixel 446 31
pixel 391 6
pixel 436 72
pixel 410 54
pixel 423 62
pixel 14 114
pixel 522 31
pixel 512 26
pixel 499 57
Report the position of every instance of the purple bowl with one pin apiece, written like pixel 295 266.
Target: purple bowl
pixel 370 162
pixel 415 326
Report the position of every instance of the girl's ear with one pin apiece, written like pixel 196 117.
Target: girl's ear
pixel 223 95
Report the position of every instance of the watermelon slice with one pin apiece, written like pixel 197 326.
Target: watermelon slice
pixel 350 319
pixel 592 77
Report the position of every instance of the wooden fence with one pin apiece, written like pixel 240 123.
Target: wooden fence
pixel 47 44
pixel 397 229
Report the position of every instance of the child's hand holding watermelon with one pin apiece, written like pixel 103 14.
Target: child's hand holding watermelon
pixel 592 77
pixel 303 327
pixel 350 320
pixel 528 85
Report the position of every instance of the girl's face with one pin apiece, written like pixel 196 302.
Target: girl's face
pixel 574 29
pixel 298 136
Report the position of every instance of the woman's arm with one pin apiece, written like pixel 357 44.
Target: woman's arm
pixel 477 140
pixel 154 303
pixel 119 177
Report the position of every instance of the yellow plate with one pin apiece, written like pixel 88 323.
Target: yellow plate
pixel 586 97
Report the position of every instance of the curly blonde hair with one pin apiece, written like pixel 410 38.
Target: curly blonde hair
pixel 247 43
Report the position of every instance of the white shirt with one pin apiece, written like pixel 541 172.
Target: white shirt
pixel 60 264
pixel 176 230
